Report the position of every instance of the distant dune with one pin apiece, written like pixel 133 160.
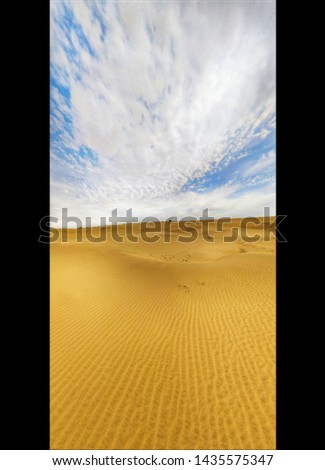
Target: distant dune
pixel 163 345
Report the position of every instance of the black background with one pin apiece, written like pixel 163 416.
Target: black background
pixel 25 314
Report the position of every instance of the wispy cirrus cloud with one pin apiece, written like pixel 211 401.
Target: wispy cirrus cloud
pixel 166 107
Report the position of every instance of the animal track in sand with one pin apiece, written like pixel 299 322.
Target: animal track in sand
pixel 183 288
pixel 165 257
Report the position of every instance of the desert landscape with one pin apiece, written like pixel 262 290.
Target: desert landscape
pixel 163 345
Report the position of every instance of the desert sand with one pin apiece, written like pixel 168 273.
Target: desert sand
pixel 163 345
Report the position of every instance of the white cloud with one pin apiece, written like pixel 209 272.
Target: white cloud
pixel 265 161
pixel 171 89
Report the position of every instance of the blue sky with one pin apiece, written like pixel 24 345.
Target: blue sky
pixel 165 107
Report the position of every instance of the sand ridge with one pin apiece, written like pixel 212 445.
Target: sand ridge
pixel 163 345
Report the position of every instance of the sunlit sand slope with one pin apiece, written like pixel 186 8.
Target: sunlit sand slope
pixel 163 346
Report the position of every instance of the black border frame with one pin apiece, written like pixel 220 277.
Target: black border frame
pixel 26 385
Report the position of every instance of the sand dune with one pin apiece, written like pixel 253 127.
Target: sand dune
pixel 163 345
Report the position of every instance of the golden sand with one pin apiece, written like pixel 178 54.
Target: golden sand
pixel 163 345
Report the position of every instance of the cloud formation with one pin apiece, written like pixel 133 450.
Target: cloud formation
pixel 165 107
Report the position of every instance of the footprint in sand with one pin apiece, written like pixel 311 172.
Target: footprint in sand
pixel 184 259
pixel 183 288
